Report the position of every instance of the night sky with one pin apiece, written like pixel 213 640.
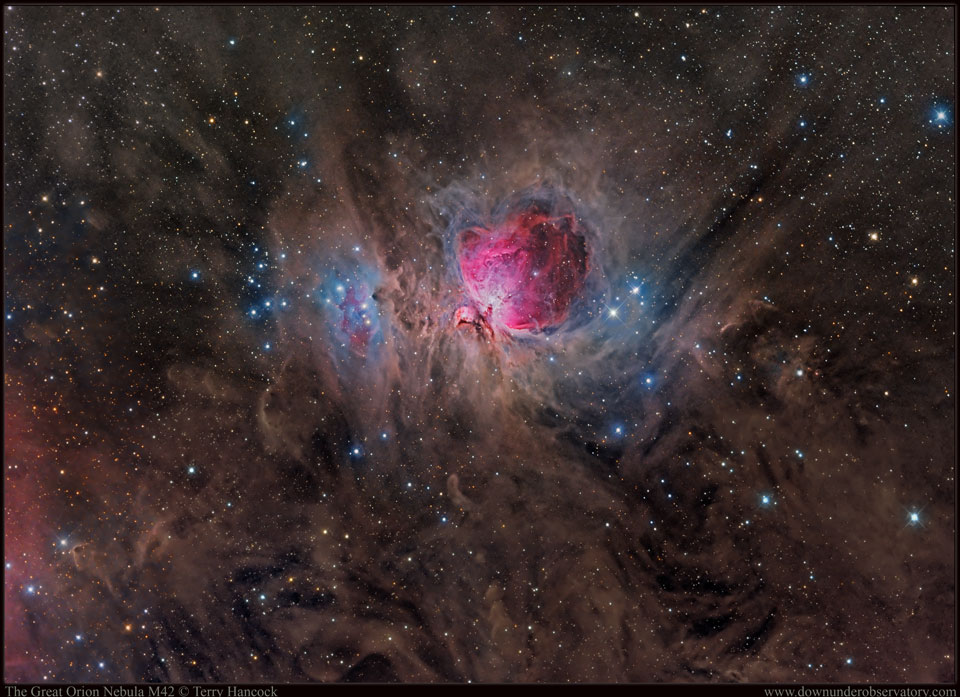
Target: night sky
pixel 447 344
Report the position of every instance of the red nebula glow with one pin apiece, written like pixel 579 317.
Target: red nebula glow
pixel 26 536
pixel 356 322
pixel 525 272
pixel 469 316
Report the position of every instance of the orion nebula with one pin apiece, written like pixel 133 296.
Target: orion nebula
pixel 526 270
pixel 479 344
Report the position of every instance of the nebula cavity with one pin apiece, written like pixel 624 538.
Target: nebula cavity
pixel 524 272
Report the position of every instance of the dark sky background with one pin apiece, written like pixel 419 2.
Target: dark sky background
pixel 248 438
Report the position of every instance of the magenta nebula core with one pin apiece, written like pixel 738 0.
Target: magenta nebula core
pixel 525 272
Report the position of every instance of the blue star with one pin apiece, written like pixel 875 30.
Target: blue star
pixel 914 518
pixel 940 117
